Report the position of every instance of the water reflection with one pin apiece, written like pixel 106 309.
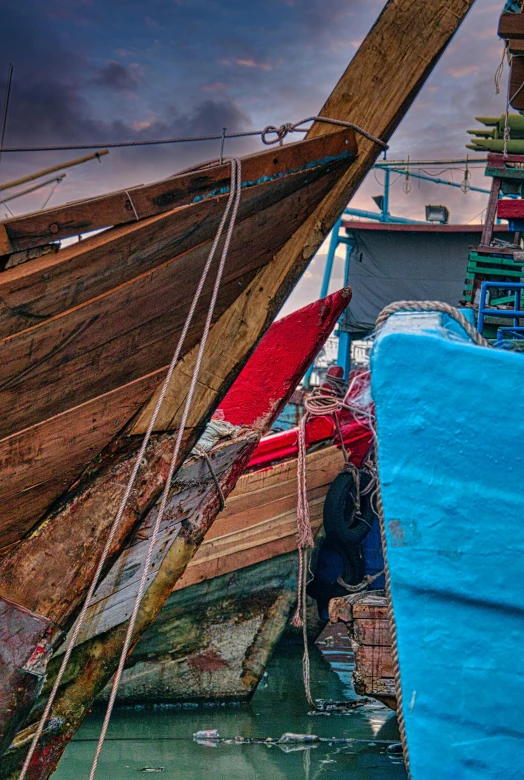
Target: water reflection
pixel 162 737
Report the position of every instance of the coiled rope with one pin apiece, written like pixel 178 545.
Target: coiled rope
pixel 231 206
pixel 280 133
pixel 394 308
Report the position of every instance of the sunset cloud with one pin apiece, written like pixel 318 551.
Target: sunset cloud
pixel 246 62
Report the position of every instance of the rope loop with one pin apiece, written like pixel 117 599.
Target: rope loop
pixel 280 133
pixel 226 225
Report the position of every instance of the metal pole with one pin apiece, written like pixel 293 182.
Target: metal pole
pixel 6 106
pixel 433 179
pixel 333 244
pixel 385 202
pixel 344 337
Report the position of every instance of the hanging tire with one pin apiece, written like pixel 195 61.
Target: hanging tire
pixel 344 527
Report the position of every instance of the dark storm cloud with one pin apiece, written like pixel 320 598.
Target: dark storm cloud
pixel 116 76
pixel 95 71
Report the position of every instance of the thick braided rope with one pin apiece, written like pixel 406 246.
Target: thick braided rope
pixel 236 189
pixel 393 636
pixel 127 493
pixel 394 308
pixel 422 306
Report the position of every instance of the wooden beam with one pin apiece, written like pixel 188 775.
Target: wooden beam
pixel 78 161
pixel 511 26
pixel 376 90
pixel 121 207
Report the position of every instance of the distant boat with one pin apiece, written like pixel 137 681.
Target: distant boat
pixel 219 628
pixel 450 428
pixel 403 262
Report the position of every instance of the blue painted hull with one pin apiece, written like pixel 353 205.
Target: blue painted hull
pixel 450 427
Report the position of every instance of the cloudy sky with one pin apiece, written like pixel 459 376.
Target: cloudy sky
pixel 89 71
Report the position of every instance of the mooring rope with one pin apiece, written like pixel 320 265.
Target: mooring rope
pixel 280 133
pixel 322 402
pixel 234 201
pixel 233 198
pixel 394 308
pixel 202 453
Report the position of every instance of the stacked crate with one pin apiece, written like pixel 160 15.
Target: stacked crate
pixel 492 264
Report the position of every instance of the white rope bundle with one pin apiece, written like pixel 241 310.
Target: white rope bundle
pixel 231 207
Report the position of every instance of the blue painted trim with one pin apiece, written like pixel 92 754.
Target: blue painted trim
pixel 264 179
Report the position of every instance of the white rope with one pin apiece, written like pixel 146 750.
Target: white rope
pixel 234 198
pixel 235 175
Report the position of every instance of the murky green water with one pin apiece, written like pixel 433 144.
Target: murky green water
pixel 139 738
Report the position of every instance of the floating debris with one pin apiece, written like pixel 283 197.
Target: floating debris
pixel 206 734
pixel 152 769
pixel 290 737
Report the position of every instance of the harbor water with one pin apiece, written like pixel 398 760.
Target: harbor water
pixel 161 738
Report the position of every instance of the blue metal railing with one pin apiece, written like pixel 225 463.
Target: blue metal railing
pixel 516 313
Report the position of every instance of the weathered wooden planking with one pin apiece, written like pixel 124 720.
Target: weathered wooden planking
pixel 132 330
pixel 50 570
pixel 38 464
pixel 267 484
pixel 119 207
pixel 264 512
pixel 371 632
pixel 373 662
pixel 269 529
pixel 81 271
pixel 372 607
pixel 394 61
pixel 113 600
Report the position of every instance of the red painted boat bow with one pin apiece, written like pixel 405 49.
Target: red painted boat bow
pixel 280 361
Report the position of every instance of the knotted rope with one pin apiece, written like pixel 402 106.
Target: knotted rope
pixel 232 204
pixel 322 402
pixel 280 132
pixel 202 453
pixel 293 127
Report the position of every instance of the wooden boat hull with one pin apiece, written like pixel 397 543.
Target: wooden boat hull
pixel 394 61
pixel 220 625
pixel 213 640
pixel 84 350
pixel 450 426
pixel 85 356
pixel 247 410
